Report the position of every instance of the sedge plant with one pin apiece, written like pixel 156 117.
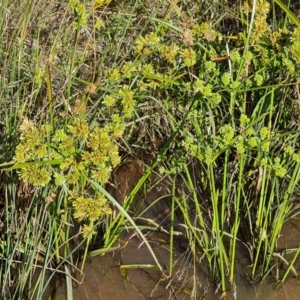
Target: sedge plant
pixel 217 107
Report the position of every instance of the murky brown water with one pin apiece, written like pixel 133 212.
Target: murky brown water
pixel 104 280
pixel 190 279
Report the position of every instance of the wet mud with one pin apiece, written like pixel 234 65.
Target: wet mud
pixel 130 273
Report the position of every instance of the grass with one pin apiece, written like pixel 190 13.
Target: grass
pixel 205 91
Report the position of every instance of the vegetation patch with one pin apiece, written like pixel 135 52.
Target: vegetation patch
pixel 201 91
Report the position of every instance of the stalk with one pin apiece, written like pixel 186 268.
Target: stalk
pixel 172 228
pixel 236 225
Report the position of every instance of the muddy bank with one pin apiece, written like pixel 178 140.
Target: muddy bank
pixel 130 273
pixel 104 279
pixel 152 204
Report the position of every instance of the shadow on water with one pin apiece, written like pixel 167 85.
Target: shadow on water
pixel 130 273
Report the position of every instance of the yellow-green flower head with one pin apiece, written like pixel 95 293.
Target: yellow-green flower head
pixel 79 129
pixel 188 56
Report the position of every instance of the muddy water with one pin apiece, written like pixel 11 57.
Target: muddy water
pixel 104 278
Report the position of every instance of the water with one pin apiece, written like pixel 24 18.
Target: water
pixel 190 277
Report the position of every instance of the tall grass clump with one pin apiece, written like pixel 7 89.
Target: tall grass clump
pixel 243 134
pixel 57 137
pixel 239 92
pixel 207 91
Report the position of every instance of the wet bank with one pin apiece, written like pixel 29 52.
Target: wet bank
pixel 129 272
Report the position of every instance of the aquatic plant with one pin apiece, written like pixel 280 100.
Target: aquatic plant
pixel 212 97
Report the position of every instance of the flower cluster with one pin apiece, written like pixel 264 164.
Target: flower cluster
pixel 256 143
pixel 89 208
pixel 67 156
